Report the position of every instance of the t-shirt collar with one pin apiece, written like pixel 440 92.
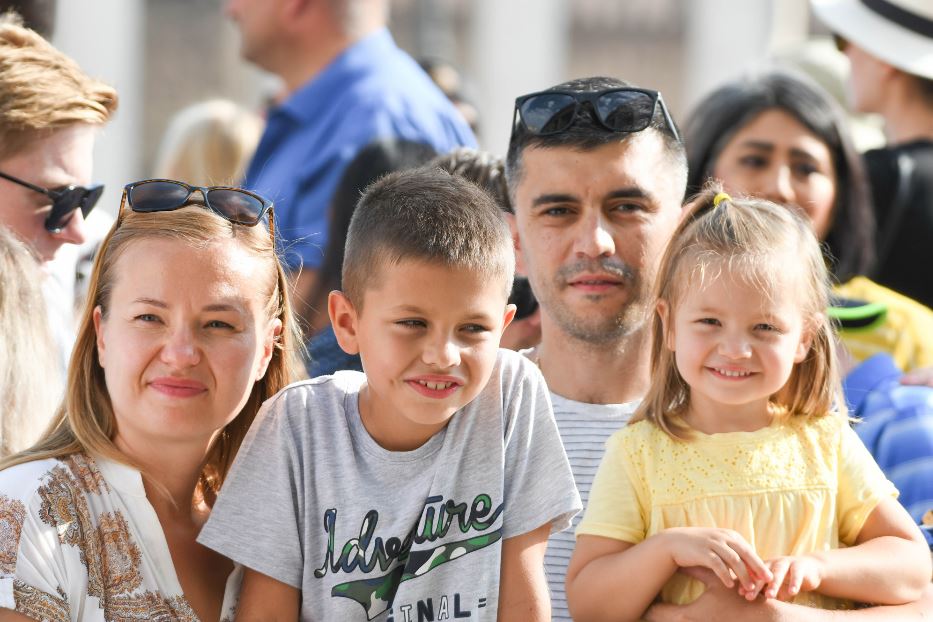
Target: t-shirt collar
pixel 307 102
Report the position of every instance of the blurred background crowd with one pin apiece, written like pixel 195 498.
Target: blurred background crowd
pixel 164 55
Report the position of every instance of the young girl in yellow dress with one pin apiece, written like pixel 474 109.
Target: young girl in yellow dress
pixel 741 459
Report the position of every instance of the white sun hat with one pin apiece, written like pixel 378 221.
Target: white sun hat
pixel 899 32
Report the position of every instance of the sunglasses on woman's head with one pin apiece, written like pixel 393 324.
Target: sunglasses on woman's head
pixel 236 205
pixel 620 109
pixel 65 201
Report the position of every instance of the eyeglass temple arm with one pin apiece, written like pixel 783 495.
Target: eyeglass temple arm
pixel 514 117
pixel 669 119
pixel 26 184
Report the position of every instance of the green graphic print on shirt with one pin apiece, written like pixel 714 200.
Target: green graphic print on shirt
pixel 394 556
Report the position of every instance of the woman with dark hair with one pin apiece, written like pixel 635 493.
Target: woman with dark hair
pixel 845 224
pixel 778 136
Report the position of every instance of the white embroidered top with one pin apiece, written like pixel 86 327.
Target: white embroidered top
pixel 79 540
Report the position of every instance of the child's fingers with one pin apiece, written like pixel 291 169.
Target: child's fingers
pixel 752 594
pixel 717 565
pixel 734 562
pixel 779 569
pixel 794 579
pixel 753 566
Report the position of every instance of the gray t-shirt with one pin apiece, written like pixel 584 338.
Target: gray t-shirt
pixel 313 501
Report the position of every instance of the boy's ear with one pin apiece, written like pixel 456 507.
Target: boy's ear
pixel 664 312
pixel 516 243
pixel 343 318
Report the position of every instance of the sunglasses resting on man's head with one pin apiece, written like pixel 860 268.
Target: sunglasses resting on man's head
pixel 65 201
pixel 622 109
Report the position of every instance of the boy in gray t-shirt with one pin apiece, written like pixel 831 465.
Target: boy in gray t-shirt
pixel 425 489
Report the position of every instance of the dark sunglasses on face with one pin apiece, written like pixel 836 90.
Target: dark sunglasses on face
pixel 617 110
pixel 65 201
pixel 165 195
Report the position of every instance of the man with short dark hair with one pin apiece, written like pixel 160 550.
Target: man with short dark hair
pixel 347 85
pixel 597 175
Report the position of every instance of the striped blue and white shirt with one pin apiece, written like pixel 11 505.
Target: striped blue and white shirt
pixel 584 430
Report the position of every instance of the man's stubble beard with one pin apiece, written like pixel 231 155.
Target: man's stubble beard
pixel 600 330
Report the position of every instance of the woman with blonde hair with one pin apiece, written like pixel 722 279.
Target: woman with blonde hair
pixel 29 390
pixel 210 142
pixel 187 331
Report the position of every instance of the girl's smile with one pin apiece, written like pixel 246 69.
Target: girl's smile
pixel 735 346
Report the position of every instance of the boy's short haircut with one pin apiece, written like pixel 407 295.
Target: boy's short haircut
pixel 429 215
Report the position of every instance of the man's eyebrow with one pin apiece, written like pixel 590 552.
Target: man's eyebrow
pixel 633 192
pixel 546 199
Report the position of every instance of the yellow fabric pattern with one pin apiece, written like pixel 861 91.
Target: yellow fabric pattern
pixel 906 334
pixel 798 486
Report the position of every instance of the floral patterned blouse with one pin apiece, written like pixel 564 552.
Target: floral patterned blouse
pixel 79 540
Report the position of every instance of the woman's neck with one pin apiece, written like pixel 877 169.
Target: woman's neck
pixel 170 477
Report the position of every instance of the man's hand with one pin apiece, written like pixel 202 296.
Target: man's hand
pixel 716 603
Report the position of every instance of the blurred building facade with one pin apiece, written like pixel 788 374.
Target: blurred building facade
pixel 165 54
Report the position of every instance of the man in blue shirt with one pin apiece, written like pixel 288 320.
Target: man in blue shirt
pixel 347 84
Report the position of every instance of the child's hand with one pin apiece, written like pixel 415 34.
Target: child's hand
pixel 792 575
pixel 723 551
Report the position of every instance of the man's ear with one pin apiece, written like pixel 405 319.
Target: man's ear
pixel 663 309
pixel 519 263
pixel 344 320
pixel 100 334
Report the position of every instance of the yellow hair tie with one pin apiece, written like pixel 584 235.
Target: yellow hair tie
pixel 719 198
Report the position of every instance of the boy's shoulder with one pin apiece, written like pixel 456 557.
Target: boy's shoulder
pixel 513 377
pixel 339 384
pixel 302 403
pixel 514 368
